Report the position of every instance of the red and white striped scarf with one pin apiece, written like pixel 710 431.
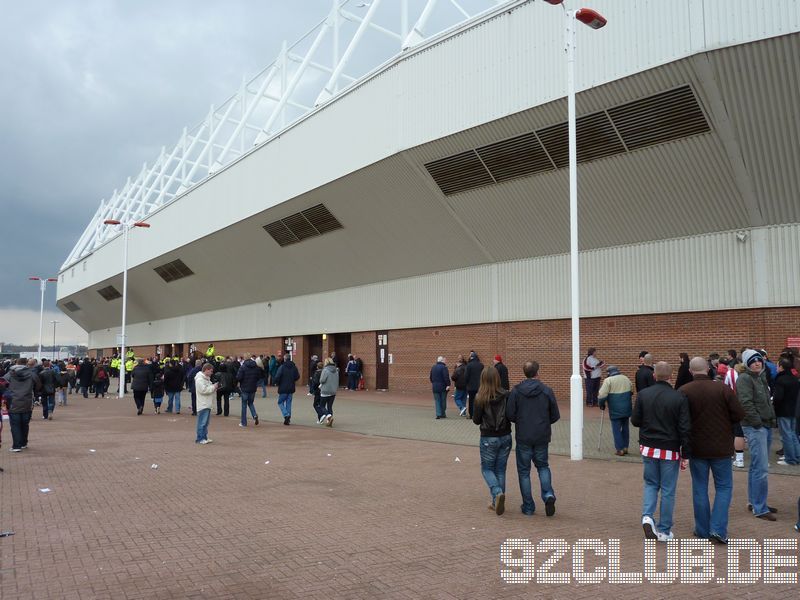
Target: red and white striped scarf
pixel 659 453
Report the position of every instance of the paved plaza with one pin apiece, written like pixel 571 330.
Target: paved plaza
pixel 389 503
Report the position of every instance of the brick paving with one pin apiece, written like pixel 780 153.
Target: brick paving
pixel 335 514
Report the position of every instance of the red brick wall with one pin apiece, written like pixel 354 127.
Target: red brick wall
pixel 618 341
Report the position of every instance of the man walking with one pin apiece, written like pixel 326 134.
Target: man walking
pixel 473 371
pixel 49 382
pixel 714 410
pixel 533 409
pixel 440 384
pixel 618 390
pixel 23 384
pixel 174 378
pixel 644 374
pixel 502 371
pixel 285 380
pixel 662 416
pixel 248 377
pixel 753 392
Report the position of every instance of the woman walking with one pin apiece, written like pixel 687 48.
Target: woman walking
pixel 141 380
pixel 315 390
pixel 495 445
pixel 328 383
pixel 157 391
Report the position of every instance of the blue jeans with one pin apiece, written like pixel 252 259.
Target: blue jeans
pixel 352 380
pixel 48 404
pixel 757 487
pixel 709 520
pixel 176 398
pixel 203 417
pixel 619 427
pixel 263 385
pixel 248 399
pixel 494 458
pixel 439 403
pixel 660 476
pixel 538 455
pixel 460 397
pixel 285 404
pixel 791 444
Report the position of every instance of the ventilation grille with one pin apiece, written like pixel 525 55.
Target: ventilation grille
pixel 661 118
pixel 71 306
pixel 301 226
pixel 666 116
pixel 109 293
pixel 171 271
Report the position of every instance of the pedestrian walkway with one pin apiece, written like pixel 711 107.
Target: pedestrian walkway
pixel 135 509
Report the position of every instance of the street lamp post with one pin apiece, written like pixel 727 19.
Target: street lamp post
pixel 42 287
pixel 126 227
pixel 595 20
pixel 54 339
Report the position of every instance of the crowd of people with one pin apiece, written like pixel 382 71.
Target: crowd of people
pixel 704 420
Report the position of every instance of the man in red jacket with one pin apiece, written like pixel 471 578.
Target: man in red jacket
pixel 714 410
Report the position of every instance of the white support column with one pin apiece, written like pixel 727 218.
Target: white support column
pixel 328 91
pixel 417 33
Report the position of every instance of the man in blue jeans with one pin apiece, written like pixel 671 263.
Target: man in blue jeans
pixel 753 393
pixel 285 379
pixel 533 409
pixel 714 410
pixel 662 416
pixel 440 384
pixel 249 376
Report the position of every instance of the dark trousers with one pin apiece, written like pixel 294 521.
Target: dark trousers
pixel 318 406
pixel 220 397
pixel 194 402
pixel 471 400
pixel 592 388
pixel 139 398
pixel 19 423
pixel 326 403
pixel 48 404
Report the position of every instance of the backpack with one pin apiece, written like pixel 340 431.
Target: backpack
pixel 101 374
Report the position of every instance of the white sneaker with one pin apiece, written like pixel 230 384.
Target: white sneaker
pixel 782 463
pixel 240 425
pixel 203 442
pixel 739 464
pixel 649 528
pixel 664 537
pixel 463 411
pixel 209 440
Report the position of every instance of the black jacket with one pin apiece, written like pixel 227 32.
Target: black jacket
pixel 492 417
pixel 474 369
pixel 644 378
pixel 533 409
pixel 684 375
pixel 85 373
pixel 784 394
pixel 459 377
pixel 286 376
pixel 49 381
pixel 662 416
pixel 174 376
pixel 141 378
pixel 502 370
pixel 249 375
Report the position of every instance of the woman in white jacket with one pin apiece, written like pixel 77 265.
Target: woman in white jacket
pixel 328 384
pixel 206 394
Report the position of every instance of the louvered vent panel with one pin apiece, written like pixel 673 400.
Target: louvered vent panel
pixel 596 137
pixel 459 173
pixel 516 157
pixel 71 306
pixel 666 116
pixel 109 293
pixel 300 226
pixel 171 271
pixel 556 142
pixel 281 233
pixel 321 218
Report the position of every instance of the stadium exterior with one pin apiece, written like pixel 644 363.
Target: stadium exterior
pixel 423 210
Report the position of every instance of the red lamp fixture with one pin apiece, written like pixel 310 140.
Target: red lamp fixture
pixel 590 17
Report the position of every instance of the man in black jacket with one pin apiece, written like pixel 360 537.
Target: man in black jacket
pixel 533 409
pixel 23 385
pixel 174 378
pixel 248 377
pixel 285 379
pixel 49 381
pixel 473 371
pixel 662 416
pixel 502 371
pixel 644 375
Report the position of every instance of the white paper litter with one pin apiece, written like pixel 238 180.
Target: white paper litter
pixel 266 462
pixel 45 490
pixel 457 459
pixel 92 450
pixel 329 454
pixel 154 466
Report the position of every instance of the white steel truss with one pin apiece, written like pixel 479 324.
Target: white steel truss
pixel 310 72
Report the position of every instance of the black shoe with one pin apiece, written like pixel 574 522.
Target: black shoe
pixel 219 412
pixel 286 420
pixel 718 538
pixel 194 414
pixel 138 412
pixel 255 419
pixel 772 509
pixel 550 506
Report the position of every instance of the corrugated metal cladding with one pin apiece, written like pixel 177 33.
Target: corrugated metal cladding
pixel 707 272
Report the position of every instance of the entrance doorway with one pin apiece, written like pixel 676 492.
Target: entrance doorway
pixel 341 345
pixel 313 347
pixel 382 361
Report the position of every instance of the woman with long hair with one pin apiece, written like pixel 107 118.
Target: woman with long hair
pixel 495 444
